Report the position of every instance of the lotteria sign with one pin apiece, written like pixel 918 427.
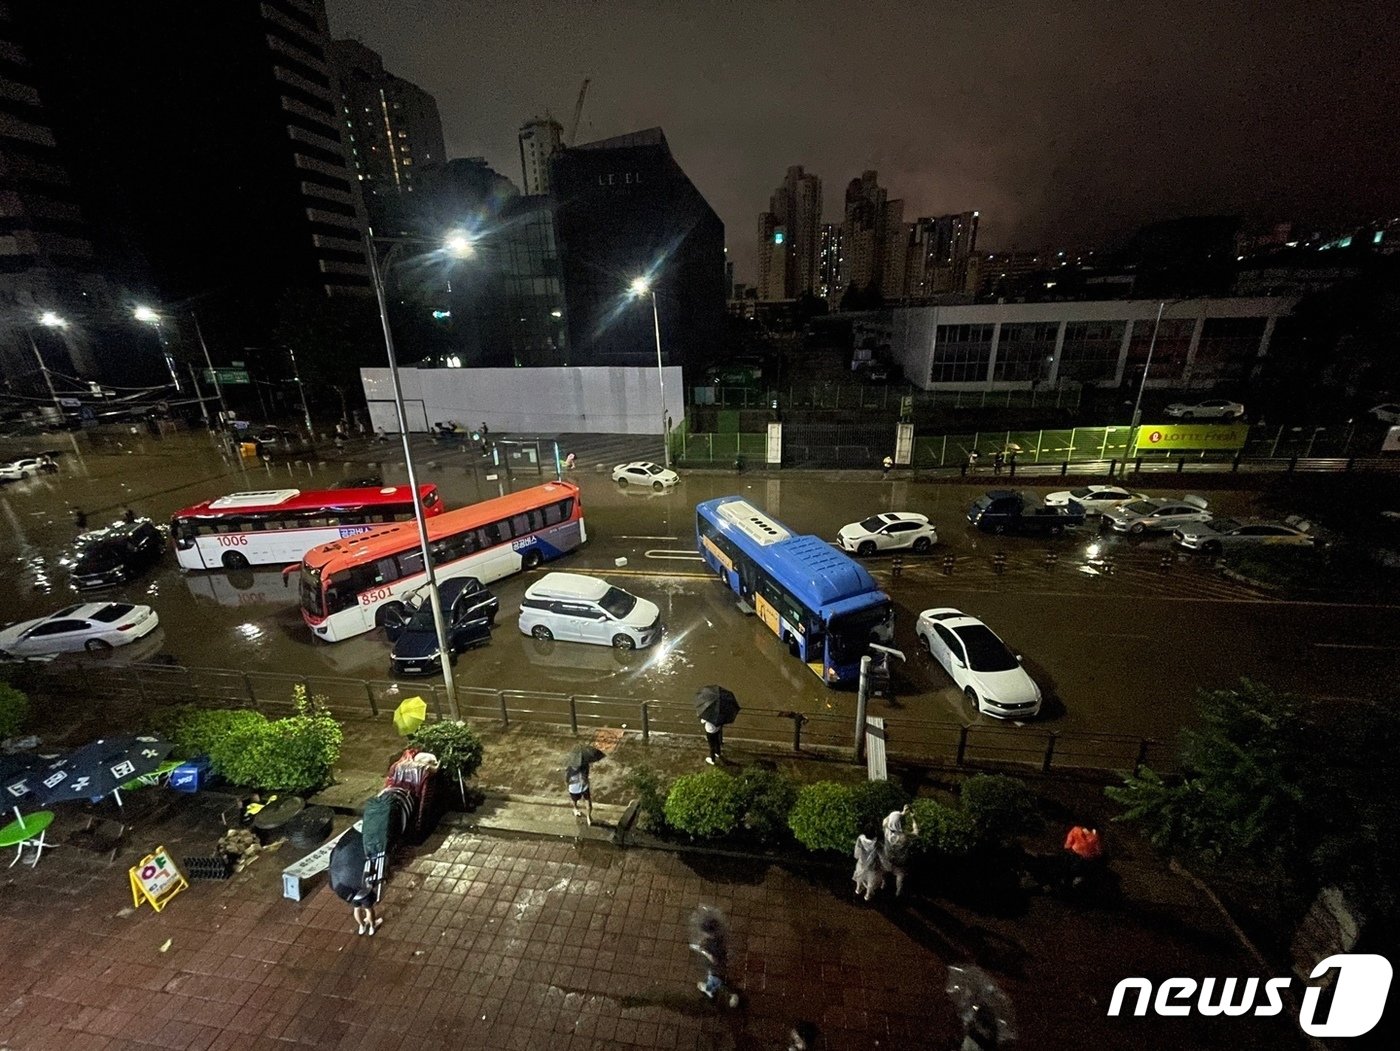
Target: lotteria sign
pixel 1191 437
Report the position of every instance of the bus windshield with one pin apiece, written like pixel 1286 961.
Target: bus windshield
pixel 311 591
pixel 851 635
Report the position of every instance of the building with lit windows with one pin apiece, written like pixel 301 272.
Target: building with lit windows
pixel 392 127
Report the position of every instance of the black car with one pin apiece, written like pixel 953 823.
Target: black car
pixel 469 610
pixel 104 558
pixel 1005 511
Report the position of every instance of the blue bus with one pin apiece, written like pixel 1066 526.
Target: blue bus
pixel 822 604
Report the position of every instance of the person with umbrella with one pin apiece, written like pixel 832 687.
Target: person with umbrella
pixel 576 764
pixel 716 707
pixel 347 880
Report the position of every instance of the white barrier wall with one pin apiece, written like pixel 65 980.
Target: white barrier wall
pixel 611 400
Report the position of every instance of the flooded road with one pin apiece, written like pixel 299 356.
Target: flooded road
pixel 1121 652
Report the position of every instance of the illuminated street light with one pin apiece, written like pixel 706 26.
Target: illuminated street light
pixel 146 314
pixel 640 287
pixel 51 320
pixel 459 245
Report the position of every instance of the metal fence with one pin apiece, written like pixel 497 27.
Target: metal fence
pixel 120 694
pixel 1065 395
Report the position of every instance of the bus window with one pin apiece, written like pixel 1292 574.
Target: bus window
pixel 340 592
pixel 430 500
pixel 410 562
pixel 553 514
pixel 520 525
pixel 386 571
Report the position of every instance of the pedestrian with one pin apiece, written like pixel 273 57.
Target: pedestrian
pixel 569 462
pixel 1083 852
pixel 998 462
pixel 868 874
pixel 897 829
pixel 576 777
pixel 714 736
pixel 485 430
pixel 347 880
pixel 79 518
pixel 972 461
pixel 885 466
pixel 128 516
pixel 48 465
pixel 710 938
pixel 802 1037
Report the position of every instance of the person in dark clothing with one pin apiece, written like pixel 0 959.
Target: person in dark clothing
pixel 128 516
pixel 347 879
pixel 79 518
pixel 998 462
pixel 712 944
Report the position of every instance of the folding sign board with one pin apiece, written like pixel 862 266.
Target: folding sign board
pixel 156 879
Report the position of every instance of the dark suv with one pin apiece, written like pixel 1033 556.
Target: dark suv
pixel 468 611
pixel 104 558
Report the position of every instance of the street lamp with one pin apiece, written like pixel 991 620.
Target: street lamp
pixel 149 317
pixel 459 245
pixel 1151 345
pixel 640 287
pixel 49 320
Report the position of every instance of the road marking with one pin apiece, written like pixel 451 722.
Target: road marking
pixel 1115 634
pixel 610 571
pixel 685 556
pixel 1351 646
pixel 646 538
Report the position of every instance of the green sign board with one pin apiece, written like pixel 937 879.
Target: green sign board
pixel 227 375
pixel 1190 437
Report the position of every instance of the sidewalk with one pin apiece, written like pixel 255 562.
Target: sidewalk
pixel 493 939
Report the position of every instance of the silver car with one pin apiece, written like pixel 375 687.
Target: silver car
pixel 1095 499
pixel 1226 534
pixel 1139 516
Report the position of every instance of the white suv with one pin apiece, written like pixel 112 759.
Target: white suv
pixel 579 608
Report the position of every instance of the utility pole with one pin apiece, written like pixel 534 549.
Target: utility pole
pixel 218 387
pixel 301 387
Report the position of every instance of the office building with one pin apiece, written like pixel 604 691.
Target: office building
pixel 831 263
pixel 208 147
pixel 624 208
pixel 1199 343
pixel 539 139
pixel 393 131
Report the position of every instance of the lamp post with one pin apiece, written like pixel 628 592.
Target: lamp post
pixel 459 246
pixel 642 287
pixel 153 317
pixel 150 317
pixel 301 388
pixel 1151 345
pixel 49 320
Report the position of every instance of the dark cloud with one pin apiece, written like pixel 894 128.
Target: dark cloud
pixel 1068 122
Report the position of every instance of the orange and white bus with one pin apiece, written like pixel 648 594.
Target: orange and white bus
pixel 276 526
pixel 351 586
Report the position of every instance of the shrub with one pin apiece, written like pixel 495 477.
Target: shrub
pixel 707 804
pixel 456 745
pixel 294 754
pixel 767 800
pixel 14 710
pixel 944 831
pixel 874 800
pixel 997 806
pixel 824 817
pixel 203 731
pixel 651 798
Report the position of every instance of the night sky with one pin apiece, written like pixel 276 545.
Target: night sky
pixel 1061 122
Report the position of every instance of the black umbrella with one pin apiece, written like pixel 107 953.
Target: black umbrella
pixel 582 756
pixel 102 767
pixel 31 779
pixel 716 705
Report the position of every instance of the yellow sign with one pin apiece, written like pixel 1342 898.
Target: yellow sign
pixel 1191 437
pixel 156 879
pixel 767 614
pixel 720 556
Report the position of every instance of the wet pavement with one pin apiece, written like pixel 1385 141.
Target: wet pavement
pixel 496 940
pixel 1119 653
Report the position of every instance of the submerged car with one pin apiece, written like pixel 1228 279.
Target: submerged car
pixel 1139 516
pixel 19 470
pixel 1226 534
pixel 107 557
pixel 91 626
pixel 646 473
pixel 889 531
pixel 468 612
pixel 1214 409
pixel 982 666
pixel 1095 499
pixel 578 608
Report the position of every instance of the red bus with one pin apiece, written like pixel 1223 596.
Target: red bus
pixel 355 585
pixel 278 526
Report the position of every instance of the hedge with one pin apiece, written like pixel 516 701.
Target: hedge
pixel 14 710
pixel 825 817
pixel 456 745
pixel 706 805
pixel 998 807
pixel 768 798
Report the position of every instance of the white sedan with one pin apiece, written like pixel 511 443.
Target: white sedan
pixel 643 472
pixel 889 531
pixel 91 626
pixel 1215 409
pixel 982 666
pixel 1096 498
pixel 18 470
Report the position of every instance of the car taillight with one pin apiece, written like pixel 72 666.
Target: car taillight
pixel 126 627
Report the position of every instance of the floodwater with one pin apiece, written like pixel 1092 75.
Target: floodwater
pixel 1121 652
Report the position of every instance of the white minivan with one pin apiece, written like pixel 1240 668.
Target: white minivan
pixel 579 608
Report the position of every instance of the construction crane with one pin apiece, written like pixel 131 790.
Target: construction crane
pixel 578 112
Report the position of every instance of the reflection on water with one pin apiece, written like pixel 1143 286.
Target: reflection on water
pixel 245 587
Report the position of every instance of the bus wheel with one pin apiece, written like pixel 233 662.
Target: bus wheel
pixel 531 560
pixel 542 633
pixel 389 613
pixel 235 560
pixel 623 642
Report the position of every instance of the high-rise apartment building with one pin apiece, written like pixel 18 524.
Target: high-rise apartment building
pixel 831 266
pixel 540 139
pixel 794 210
pixel 393 131
pixel 940 256
pixel 865 232
pixel 893 280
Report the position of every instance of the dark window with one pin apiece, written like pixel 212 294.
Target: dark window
pixel 113 613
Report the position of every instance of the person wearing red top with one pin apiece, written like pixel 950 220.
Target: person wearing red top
pixel 1083 853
